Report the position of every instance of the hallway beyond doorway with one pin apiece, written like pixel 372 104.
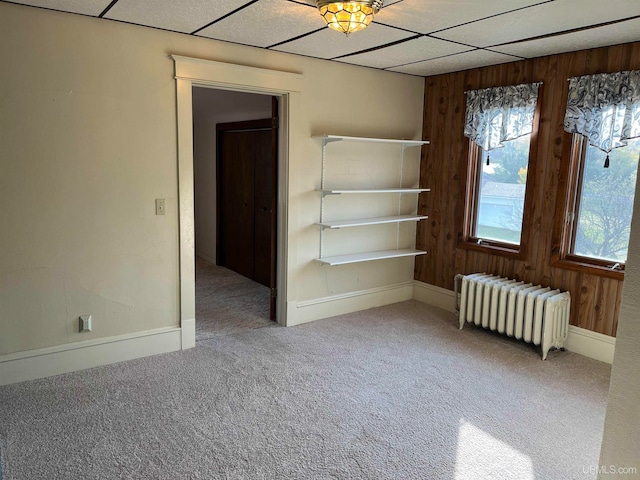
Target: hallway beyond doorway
pixel 228 303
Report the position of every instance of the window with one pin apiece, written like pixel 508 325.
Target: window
pixel 603 114
pixel 600 204
pixel 500 123
pixel 498 192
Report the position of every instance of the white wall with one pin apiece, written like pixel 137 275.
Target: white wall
pixel 621 441
pixel 210 107
pixel 88 142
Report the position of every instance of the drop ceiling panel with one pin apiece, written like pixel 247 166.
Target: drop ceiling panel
pixel 411 51
pixel 181 16
pixel 328 43
pixel 455 63
pixel 623 32
pixel 271 22
pixel 551 17
pixel 426 16
pixel 84 7
pixel 494 31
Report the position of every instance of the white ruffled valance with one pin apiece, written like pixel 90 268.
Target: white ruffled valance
pixel 496 115
pixel 605 108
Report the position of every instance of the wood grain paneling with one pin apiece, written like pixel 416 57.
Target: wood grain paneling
pixel 595 299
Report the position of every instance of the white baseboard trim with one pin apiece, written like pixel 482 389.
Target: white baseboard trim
pixel 315 309
pixel 584 342
pixel 208 258
pixel 45 362
pixel 435 296
pixel 591 344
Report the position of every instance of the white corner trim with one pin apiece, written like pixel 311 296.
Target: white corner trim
pixel 591 344
pixel 188 332
pixel 584 342
pixel 44 362
pixel 435 296
pixel 299 312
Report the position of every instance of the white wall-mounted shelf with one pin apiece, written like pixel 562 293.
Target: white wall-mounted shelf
pixel 368 256
pixel 337 138
pixel 340 191
pixel 400 190
pixel 361 222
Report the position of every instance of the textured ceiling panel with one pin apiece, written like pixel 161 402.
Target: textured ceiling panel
pixel 623 32
pixel 84 7
pixel 455 63
pixel 422 48
pixel 181 16
pixel 328 43
pixel 271 22
pixel 426 16
pixel 521 28
pixel 556 16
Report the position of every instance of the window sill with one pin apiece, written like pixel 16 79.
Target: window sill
pixel 505 250
pixel 580 265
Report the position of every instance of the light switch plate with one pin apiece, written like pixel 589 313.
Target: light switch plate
pixel 160 206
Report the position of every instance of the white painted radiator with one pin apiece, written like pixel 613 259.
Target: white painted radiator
pixel 521 310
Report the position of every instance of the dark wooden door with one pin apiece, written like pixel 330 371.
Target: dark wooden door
pixel 264 209
pixel 247 199
pixel 236 206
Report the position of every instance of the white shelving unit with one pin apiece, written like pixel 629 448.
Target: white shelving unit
pixel 368 256
pixel 361 222
pixel 381 190
pixel 394 219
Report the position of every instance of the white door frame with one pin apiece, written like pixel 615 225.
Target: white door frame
pixel 190 72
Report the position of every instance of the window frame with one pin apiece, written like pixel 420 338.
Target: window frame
pixel 567 212
pixel 467 239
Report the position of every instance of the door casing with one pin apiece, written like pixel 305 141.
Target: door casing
pixel 190 72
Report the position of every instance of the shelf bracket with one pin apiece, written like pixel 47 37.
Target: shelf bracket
pixel 326 194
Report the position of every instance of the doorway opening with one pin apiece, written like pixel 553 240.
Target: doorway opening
pixel 235 146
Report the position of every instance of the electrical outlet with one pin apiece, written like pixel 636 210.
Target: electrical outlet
pixel 85 323
pixel 160 207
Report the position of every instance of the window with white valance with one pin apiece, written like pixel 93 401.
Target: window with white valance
pixel 499 122
pixel 603 114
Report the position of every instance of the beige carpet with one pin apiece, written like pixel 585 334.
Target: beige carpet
pixel 396 392
pixel 227 302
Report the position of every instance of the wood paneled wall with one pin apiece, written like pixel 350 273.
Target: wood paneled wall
pixel 595 299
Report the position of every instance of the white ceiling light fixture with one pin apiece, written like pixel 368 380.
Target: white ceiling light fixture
pixel 348 17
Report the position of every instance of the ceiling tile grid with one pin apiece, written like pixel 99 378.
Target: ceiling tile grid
pixel 422 48
pixel 416 37
pixel 622 32
pixel 183 16
pixel 271 23
pixel 428 16
pixel 454 63
pixel 328 43
pixel 543 19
